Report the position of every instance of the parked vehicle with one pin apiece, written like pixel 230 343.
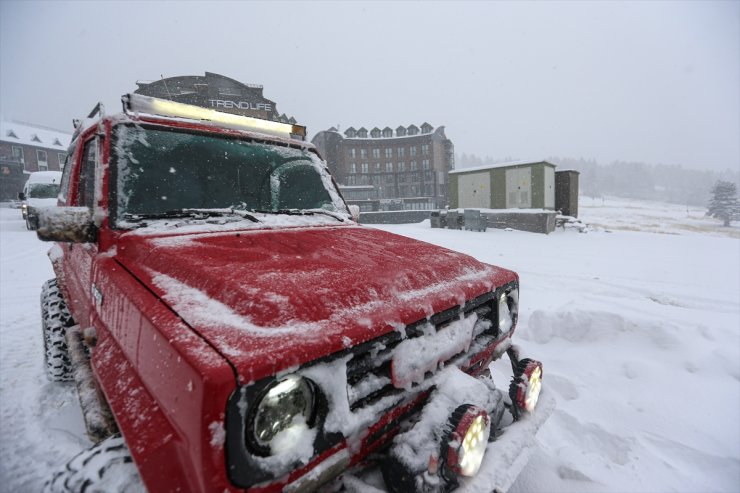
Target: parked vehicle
pixel 41 190
pixel 230 327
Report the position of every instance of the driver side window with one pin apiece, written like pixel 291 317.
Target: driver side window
pixel 66 173
pixel 86 188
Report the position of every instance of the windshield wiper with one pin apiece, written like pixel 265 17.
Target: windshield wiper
pixel 188 213
pixel 300 212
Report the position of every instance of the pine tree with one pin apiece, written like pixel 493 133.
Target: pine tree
pixel 723 204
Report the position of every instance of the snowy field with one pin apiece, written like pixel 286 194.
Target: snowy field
pixel 637 323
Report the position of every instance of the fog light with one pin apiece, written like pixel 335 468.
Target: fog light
pixel 466 442
pixel 525 386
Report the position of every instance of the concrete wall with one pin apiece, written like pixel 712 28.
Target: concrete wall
pixel 540 222
pixel 534 222
pixel 394 217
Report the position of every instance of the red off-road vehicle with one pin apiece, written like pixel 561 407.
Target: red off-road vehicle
pixel 230 326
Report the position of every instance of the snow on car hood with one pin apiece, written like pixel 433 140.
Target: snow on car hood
pixel 38 203
pixel 272 300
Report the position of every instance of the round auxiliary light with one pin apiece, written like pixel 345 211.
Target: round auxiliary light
pixel 286 403
pixel 466 442
pixel 526 386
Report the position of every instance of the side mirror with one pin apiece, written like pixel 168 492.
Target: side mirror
pixel 21 196
pixel 354 210
pixel 67 224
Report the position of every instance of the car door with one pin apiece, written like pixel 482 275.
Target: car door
pixel 79 256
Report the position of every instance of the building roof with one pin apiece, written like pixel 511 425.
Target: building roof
pixel 34 135
pixel 502 165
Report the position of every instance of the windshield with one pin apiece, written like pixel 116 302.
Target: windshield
pixel 159 171
pixel 43 190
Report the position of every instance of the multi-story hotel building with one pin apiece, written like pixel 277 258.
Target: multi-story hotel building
pixel 407 167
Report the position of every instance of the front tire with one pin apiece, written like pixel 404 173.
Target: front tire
pixel 106 467
pixel 55 319
pixel 32 223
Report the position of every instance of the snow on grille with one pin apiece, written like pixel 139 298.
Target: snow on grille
pixel 417 352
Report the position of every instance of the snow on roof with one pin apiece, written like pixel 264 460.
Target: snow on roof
pixel 34 135
pixel 501 165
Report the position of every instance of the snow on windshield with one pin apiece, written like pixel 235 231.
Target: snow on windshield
pixel 159 170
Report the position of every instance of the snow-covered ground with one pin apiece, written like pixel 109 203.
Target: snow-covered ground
pixel 637 324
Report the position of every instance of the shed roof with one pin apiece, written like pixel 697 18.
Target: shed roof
pixel 511 164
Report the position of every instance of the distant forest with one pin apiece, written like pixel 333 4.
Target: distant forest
pixel 667 183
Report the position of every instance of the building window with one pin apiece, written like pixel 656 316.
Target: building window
pixel 353 168
pixel 35 138
pixel 402 178
pixel 61 156
pixel 413 165
pixel 401 166
pixel 425 149
pixel 363 153
pixel 412 151
pixel 414 177
pixel 18 154
pixel 364 167
pixel 377 167
pixel 353 153
pixel 401 151
pixel 425 164
pixel 41 158
pixel 10 133
pixel 376 153
pixel 389 167
pixel 389 153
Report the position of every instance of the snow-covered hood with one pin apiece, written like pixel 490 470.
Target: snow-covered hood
pixel 38 203
pixel 272 300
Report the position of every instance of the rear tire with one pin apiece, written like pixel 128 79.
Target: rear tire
pixel 106 467
pixel 55 319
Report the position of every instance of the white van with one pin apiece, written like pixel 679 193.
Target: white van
pixel 41 190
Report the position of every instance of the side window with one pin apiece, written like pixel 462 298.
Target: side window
pixel 66 172
pixel 86 195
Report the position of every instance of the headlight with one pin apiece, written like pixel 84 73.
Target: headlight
pixel 526 386
pixel 286 404
pixel 467 440
pixel 508 307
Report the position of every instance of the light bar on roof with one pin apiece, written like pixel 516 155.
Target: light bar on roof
pixel 137 103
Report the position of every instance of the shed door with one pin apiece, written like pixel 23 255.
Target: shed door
pixel 474 190
pixel 549 187
pixel 519 188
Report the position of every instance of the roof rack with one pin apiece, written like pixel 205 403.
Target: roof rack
pixel 98 110
pixel 138 103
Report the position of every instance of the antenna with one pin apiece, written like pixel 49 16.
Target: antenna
pixel 165 86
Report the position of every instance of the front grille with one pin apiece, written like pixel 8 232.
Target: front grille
pixel 369 370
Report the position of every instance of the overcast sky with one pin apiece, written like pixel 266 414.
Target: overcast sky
pixel 657 82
